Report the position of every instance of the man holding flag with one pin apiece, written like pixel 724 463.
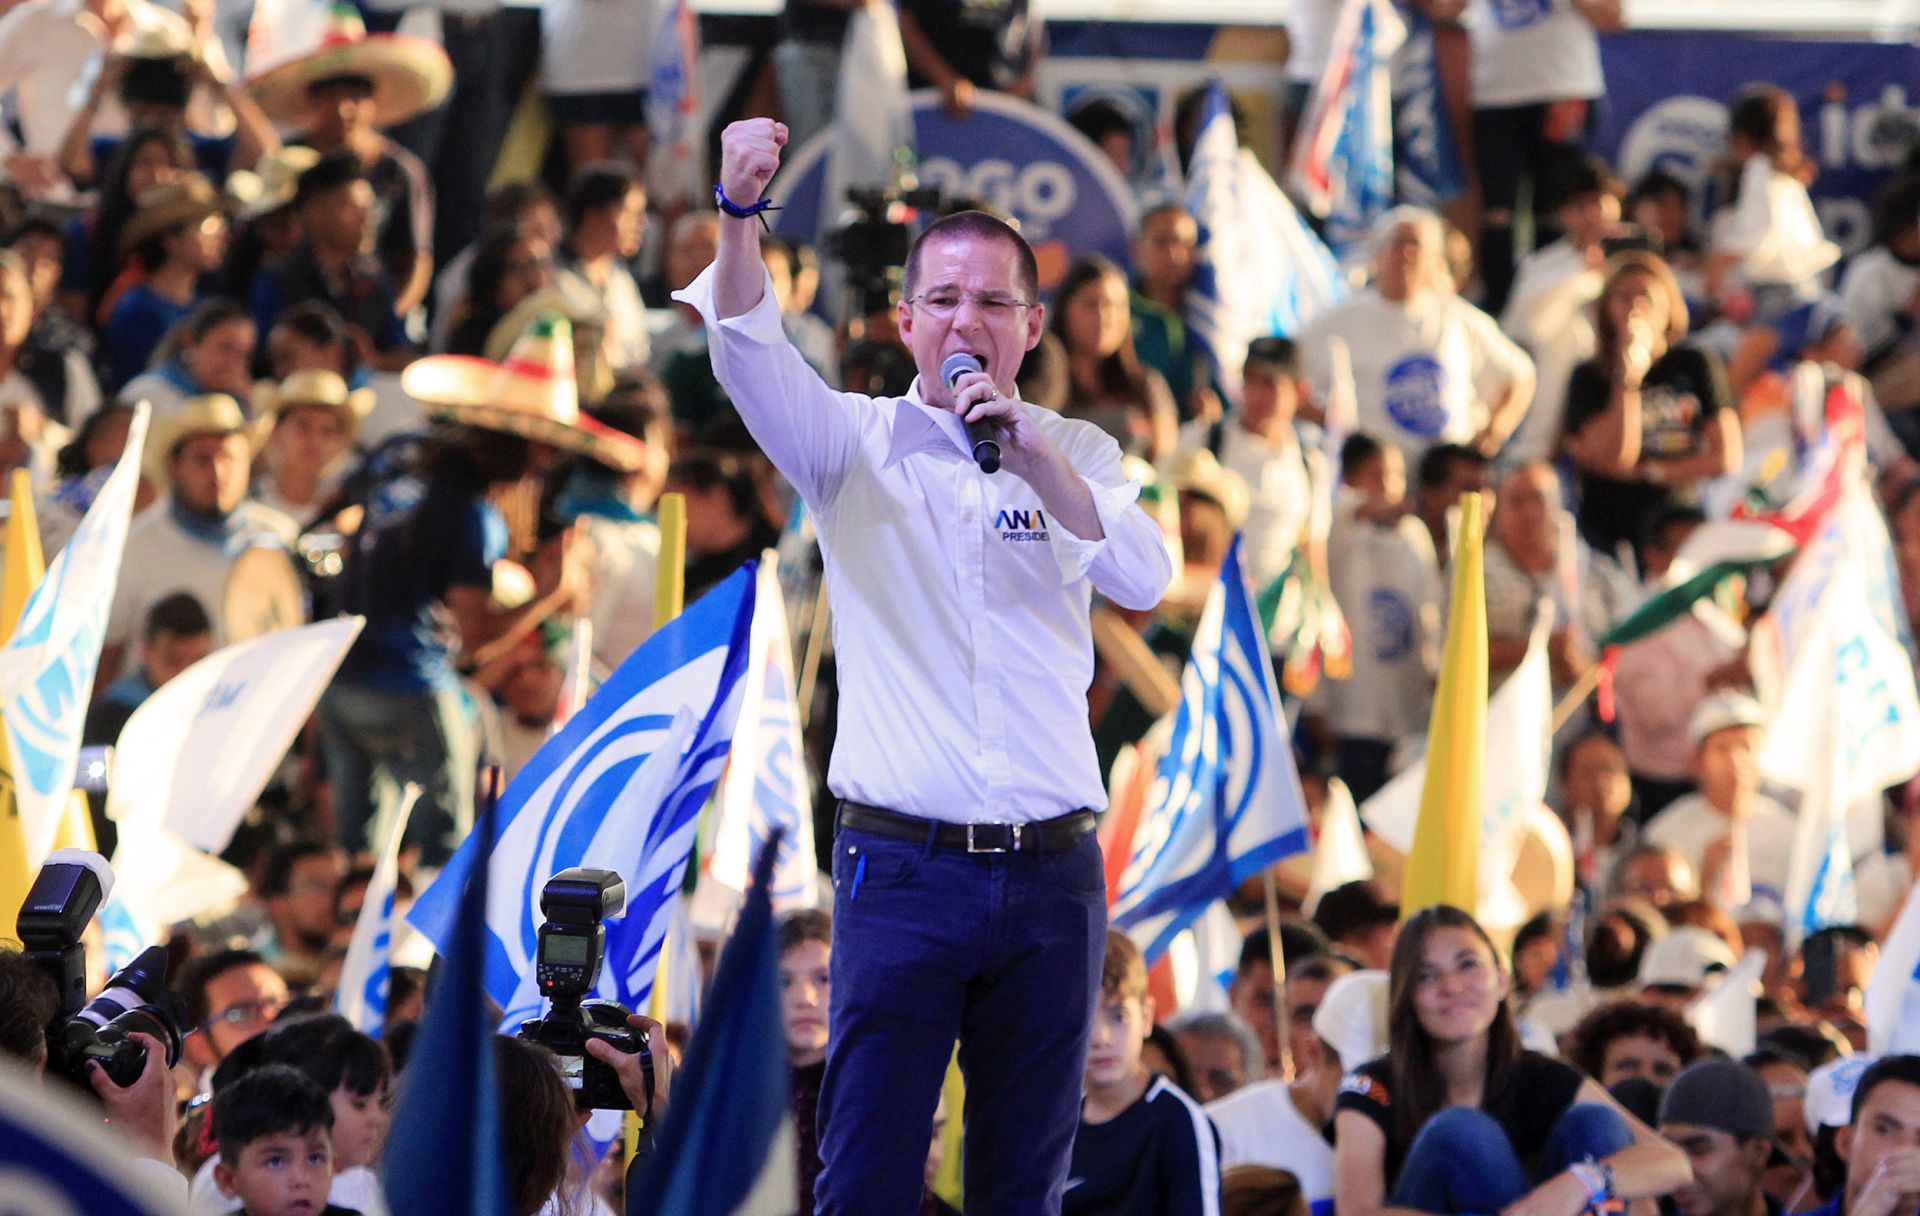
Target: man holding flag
pixel 969 891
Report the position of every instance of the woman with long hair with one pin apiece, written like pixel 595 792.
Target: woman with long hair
pixel 208 352
pixel 1457 1117
pixel 1649 417
pixel 1106 383
pixel 148 157
pixel 511 263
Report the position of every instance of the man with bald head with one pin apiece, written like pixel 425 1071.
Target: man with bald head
pixel 969 894
pixel 1532 572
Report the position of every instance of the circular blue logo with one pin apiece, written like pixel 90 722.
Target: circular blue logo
pixel 1416 395
pixel 1519 14
pixel 1392 619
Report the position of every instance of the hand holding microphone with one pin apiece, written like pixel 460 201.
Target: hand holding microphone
pixel 986 447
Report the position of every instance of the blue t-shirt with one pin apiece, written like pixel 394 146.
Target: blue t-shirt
pixel 140 319
pixel 404 561
pixel 1158 1157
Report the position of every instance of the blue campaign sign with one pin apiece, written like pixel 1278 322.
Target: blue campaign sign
pixel 1026 161
pixel 1668 95
pixel 57 1159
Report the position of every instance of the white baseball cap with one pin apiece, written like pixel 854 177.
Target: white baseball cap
pixel 1352 1017
pixel 1688 957
pixel 1723 710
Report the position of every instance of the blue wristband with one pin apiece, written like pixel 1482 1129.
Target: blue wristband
pixel 735 210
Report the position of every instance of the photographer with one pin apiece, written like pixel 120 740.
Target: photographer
pixel 142 1111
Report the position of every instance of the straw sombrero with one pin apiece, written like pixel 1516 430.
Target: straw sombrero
pixel 410 75
pixel 211 414
pixel 272 183
pixel 188 200
pixel 531 393
pixel 313 387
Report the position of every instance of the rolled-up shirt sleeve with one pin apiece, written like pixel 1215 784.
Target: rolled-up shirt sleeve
pixel 1129 563
pixel 809 431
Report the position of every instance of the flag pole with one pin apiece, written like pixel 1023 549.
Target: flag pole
pixel 1576 696
pixel 816 652
pixel 1272 891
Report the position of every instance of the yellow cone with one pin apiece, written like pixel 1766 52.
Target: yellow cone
pixel 1444 867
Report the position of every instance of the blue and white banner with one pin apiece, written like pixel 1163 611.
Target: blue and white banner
pixel 1022 159
pixel 620 788
pixel 57 1159
pixel 47 666
pixel 1258 269
pixel 766 791
pixel 1893 994
pixel 1427 168
pixel 676 169
pixel 872 116
pixel 366 976
pixel 1343 154
pixel 1226 802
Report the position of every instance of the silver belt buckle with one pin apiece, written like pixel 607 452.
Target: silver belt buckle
pixel 1013 837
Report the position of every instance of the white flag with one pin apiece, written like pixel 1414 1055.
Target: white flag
pixel 367 974
pixel 1893 994
pixel 197 752
pixel 48 665
pixel 872 118
pixel 1724 1016
pixel 1340 855
pixel 766 786
pixel 1519 744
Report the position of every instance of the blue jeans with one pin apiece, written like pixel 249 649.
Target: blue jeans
pixel 1463 1162
pixel 1002 952
pixel 375 742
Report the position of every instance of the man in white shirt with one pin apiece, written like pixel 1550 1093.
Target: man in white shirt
pixel 970 898
pixel 1706 828
pixel 189 539
pixel 46 45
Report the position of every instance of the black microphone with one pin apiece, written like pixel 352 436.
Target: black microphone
pixel 986 449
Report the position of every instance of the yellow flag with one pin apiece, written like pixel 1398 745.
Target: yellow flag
pixel 953 1093
pixel 24 568
pixel 1444 867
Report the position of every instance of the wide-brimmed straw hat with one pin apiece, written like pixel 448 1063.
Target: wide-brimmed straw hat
pixel 272 183
pixel 409 75
pixel 210 414
pixel 530 393
pixel 316 387
pixel 188 200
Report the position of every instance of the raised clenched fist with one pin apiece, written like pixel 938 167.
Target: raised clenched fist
pixel 749 154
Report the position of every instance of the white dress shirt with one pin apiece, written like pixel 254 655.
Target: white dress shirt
pixel 959 609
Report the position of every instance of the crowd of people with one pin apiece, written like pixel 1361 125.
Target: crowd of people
pixel 379 388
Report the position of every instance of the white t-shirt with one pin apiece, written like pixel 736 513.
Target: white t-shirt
pixel 1878 292
pixel 1774 230
pixel 1549 314
pixel 1387 583
pixel 1690 826
pixel 1260 1125
pixel 1284 482
pixel 597 46
pixel 1424 371
pixel 162 559
pixel 1310 38
pixel 1527 51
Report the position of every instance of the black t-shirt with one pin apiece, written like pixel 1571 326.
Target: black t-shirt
pixel 1158 1157
pixel 1537 1092
pixel 1679 398
pixel 986 41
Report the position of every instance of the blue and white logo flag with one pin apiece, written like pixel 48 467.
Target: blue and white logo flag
pixel 1343 156
pixel 57 1159
pixel 766 790
pixel 676 168
pixel 872 117
pixel 1426 154
pixel 1226 802
pixel 47 666
pixel 1258 269
pixel 1893 994
pixel 367 974
pixel 619 788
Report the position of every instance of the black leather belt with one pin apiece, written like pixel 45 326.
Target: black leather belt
pixel 1046 836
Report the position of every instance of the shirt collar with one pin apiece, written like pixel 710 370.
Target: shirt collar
pixel 919 427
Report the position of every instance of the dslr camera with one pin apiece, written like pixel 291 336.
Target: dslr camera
pixel 65 894
pixel 572 947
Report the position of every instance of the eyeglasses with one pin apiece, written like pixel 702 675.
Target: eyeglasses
pixel 246 1011
pixel 988 303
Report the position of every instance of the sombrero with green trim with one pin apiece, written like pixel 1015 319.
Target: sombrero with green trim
pixel 409 75
pixel 530 393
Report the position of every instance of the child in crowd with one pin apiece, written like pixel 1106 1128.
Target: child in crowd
pixel 806 984
pixel 1387 580
pixel 1143 1146
pixel 275 1129
pixel 1769 241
